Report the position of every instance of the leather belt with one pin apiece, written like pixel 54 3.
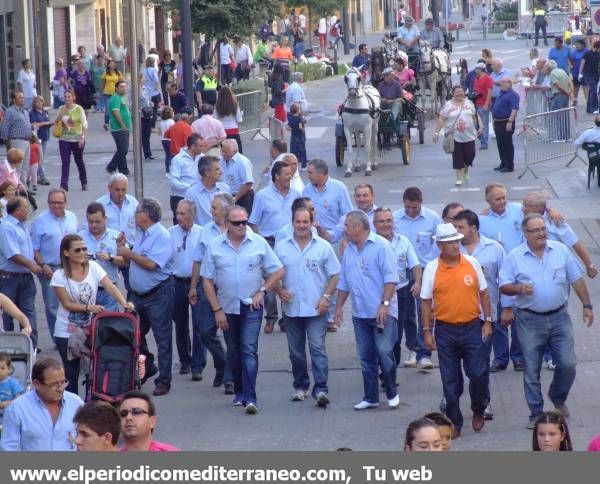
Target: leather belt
pixel 464 323
pixel 14 274
pixel 543 313
pixel 154 289
pixel 187 280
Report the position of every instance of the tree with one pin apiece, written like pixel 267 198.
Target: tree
pixel 217 18
pixel 320 8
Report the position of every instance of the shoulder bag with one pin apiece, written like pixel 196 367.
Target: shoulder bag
pixel 448 144
pixel 57 128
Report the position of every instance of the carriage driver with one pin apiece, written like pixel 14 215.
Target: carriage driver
pixel 433 35
pixel 390 91
pixel 408 41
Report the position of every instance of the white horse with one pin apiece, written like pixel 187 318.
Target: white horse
pixel 360 114
pixel 434 75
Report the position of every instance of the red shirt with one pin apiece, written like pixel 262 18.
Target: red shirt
pixel 482 85
pixel 35 153
pixel 178 134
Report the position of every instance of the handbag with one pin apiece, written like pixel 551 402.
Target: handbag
pixel 448 144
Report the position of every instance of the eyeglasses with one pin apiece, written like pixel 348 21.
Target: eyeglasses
pixel 238 223
pixel 79 250
pixel 136 412
pixel 56 385
pixel 540 230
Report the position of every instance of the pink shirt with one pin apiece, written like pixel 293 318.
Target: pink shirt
pixel 594 444
pixel 156 446
pixel 8 173
pixel 405 76
pixel 209 128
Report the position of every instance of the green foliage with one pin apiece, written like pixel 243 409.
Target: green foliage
pixel 222 17
pixel 312 72
pixel 508 12
pixel 318 7
pixel 257 84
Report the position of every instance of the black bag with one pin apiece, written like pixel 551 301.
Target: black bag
pixel 472 96
pixel 148 112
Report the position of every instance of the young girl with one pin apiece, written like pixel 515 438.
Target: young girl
pixel 8 189
pixel 297 123
pixel 422 435
pixel 35 158
pixel 166 121
pixel 551 433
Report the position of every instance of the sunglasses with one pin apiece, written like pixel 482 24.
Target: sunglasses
pixel 238 223
pixel 56 385
pixel 79 250
pixel 136 412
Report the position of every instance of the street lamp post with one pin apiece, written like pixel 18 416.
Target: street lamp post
pixel 186 48
pixel 138 173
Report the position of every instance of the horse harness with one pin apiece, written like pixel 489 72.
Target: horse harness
pixel 372 111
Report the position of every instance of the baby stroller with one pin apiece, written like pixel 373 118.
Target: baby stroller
pixel 20 349
pixel 114 356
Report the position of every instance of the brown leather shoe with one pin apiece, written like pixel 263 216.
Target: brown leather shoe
pixel 269 328
pixel 455 434
pixel 331 328
pixel 478 422
pixel 160 390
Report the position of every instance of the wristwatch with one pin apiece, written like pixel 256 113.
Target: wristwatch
pixel 588 306
pixel 489 319
pixel 385 303
pixel 263 289
pixel 327 296
pixel 110 257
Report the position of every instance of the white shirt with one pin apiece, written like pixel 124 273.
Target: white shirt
pixel 27 80
pixel 164 125
pixel 322 26
pixel 225 53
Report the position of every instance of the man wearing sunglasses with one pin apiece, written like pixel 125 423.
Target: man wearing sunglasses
pixel 244 268
pixel 138 419
pixel 42 419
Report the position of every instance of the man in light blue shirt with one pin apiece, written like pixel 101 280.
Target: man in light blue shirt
pixel 238 262
pixel 152 288
pixel 183 172
pixel 417 223
pixel 101 243
pixel 185 237
pixel 203 191
pixel 539 273
pixel 409 281
pixel 498 72
pixel 408 36
pixel 288 229
pixel 17 264
pixel 33 422
pixel 364 196
pixel 47 232
pixel 295 94
pixel 237 174
pixel 330 196
pixel 369 274
pixel 311 276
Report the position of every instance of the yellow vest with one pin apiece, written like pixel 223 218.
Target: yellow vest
pixel 210 84
pixel 540 12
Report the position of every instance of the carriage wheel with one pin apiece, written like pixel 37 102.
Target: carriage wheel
pixel 405 148
pixel 340 146
pixel 421 127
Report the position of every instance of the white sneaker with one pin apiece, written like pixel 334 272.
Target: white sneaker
pixel 425 364
pixel 394 402
pixel 322 399
pixel 458 183
pixel 299 395
pixel 363 405
pixel 550 365
pixel 411 361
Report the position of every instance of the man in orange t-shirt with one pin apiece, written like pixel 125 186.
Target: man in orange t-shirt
pixel 453 294
pixel 179 133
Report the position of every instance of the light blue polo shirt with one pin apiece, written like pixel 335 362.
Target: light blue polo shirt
pixel 236 172
pixel 561 233
pixel 288 229
pixel 121 219
pixel 337 233
pixel 496 76
pixel 331 203
pixel 272 210
pixel 184 245
pixel 551 277
pixel 364 273
pixel 504 228
pixel 406 258
pixel 211 231
pixel 419 231
pixel 238 274
pixel 183 172
pixel 14 240
pixel 47 233
pixel 307 273
pixel 203 197
pixel 154 243
pixel 107 243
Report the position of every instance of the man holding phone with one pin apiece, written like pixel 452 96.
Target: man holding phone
pixel 460 334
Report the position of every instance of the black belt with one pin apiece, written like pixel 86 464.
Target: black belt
pixel 14 274
pixel 187 280
pixel 544 313
pixel 154 289
pixel 465 323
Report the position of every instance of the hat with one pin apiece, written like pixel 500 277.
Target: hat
pixel 446 233
pixel 387 70
pixel 408 19
pixel 428 20
pixel 480 65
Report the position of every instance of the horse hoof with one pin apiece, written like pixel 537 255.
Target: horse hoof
pixel 348 174
pixel 374 167
pixel 368 173
pixel 357 168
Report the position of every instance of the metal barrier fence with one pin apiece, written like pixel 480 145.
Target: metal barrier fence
pixel 252 106
pixel 276 129
pixel 536 101
pixel 549 136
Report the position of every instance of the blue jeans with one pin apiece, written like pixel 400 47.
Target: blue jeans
pixel 297 331
pixel 155 313
pixel 422 351
pixel 194 356
pixel 500 345
pixel 105 99
pixel 21 291
pixel 119 159
pixel 592 101
pixel 485 120
pixel 537 331
pixel 101 102
pixel 57 102
pixel 72 367
pixel 50 303
pixel 406 321
pixel 205 336
pixel 166 144
pixel 103 298
pixel 559 122
pixel 456 342
pixel 242 351
pixel 376 349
